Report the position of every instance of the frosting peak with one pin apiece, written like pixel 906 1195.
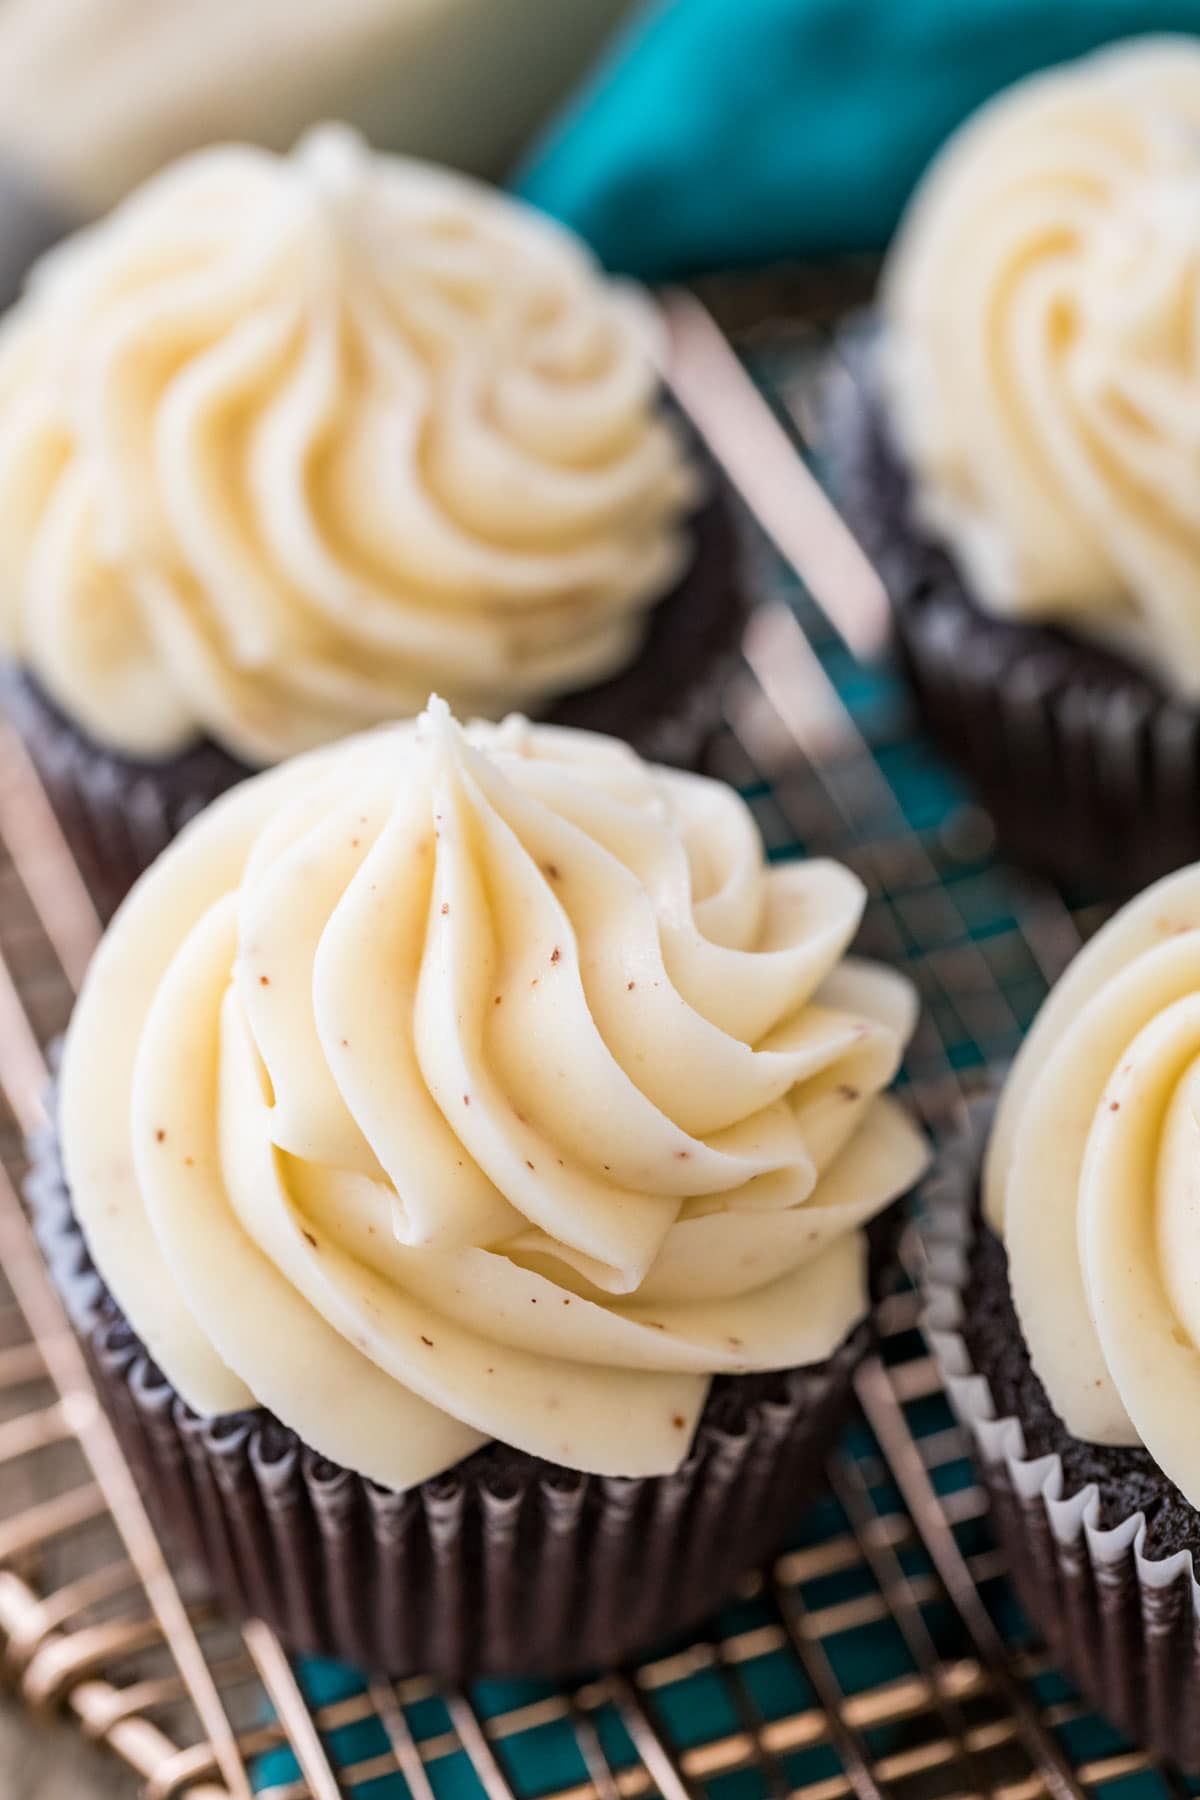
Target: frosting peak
pixel 286 441
pixel 1041 355
pixel 336 160
pixel 450 1084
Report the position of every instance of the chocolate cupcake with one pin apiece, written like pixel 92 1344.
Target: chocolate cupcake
pixel 465 1143
pixel 1063 1271
pixel 1015 447
pixel 287 442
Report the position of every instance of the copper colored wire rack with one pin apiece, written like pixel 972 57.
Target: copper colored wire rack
pixel 881 1655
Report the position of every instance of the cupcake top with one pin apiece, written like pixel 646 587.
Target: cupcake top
pixel 286 441
pixel 1093 1179
pixel 451 1085
pixel 1042 356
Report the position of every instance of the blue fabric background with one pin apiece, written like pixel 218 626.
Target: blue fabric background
pixel 725 132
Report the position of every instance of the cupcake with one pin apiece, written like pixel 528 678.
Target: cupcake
pixel 464 1149
pixel 1018 452
pixel 1064 1270
pixel 286 442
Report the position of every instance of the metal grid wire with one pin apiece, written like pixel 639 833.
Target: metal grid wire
pixel 881 1655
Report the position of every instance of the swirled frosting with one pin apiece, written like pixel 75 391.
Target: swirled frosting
pixel 287 441
pixel 1093 1178
pixel 1042 351
pixel 444 1086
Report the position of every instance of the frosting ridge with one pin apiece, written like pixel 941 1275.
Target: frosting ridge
pixel 1093 1178
pixel 1040 352
pixel 286 441
pixel 447 1085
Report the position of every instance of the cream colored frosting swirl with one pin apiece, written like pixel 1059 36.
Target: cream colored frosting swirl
pixel 444 1086
pixel 1093 1178
pixel 287 441
pixel 1042 351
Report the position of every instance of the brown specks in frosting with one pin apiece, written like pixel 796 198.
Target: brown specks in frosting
pixel 1114 1106
pixel 1169 927
pixel 160 1136
pixel 552 871
pixel 525 942
pixel 845 1091
pixel 264 981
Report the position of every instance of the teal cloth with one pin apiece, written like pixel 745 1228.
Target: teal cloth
pixel 720 133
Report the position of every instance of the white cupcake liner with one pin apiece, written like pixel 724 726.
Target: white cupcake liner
pixel 1123 1623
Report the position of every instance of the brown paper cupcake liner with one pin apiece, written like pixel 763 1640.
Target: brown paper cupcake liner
pixel 119 814
pixel 505 1565
pixel 667 701
pixel 1113 1590
pixel 1089 769
pixel 116 814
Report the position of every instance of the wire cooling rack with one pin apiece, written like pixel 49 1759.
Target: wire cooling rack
pixel 881 1655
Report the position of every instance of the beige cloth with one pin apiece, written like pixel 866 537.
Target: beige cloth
pixel 96 94
pixel 47 1761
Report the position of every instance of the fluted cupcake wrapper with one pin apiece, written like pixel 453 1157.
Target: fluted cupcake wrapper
pixel 505 1565
pixel 1123 1623
pixel 667 702
pixel 1089 769
pixel 119 814
pixel 116 814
